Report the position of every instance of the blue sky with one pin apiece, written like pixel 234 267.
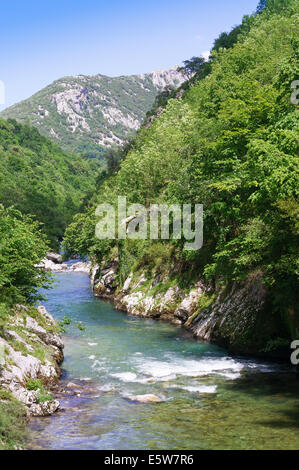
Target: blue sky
pixel 41 41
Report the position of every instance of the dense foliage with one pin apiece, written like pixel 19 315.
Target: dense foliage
pixel 38 178
pixel 22 246
pixel 231 143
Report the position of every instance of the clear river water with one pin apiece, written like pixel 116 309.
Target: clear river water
pixel 210 399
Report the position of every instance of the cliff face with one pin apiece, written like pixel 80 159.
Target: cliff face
pixel 30 354
pixel 88 114
pixel 240 318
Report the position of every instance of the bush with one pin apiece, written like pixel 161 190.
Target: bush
pixel 22 247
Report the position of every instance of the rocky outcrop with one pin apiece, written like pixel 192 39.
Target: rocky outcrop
pixel 240 318
pixel 44 409
pixel 55 257
pixel 31 349
pixel 173 305
pixel 104 281
pixel 80 267
pixel 49 265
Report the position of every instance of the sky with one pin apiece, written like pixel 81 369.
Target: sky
pixel 42 41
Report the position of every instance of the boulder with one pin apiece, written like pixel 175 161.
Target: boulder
pixel 147 398
pixel 81 267
pixel 72 385
pixel 55 257
pixel 44 409
pixel 48 265
pixel 191 301
pixel 181 314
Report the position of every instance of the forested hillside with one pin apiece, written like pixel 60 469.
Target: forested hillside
pixel 38 178
pixel 231 143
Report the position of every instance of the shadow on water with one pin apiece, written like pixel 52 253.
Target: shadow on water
pixel 281 389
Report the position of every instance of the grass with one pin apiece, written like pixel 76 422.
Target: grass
pixel 43 396
pixel 42 393
pixel 34 384
pixel 13 421
pixel 39 353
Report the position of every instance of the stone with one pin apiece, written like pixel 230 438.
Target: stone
pixel 44 409
pixel 55 257
pixel 156 280
pixel 42 310
pixel 147 398
pixel 81 267
pixel 140 282
pixel 48 265
pixel 13 335
pixel 127 283
pixel 190 302
pixel 46 337
pixel 181 314
pixel 73 385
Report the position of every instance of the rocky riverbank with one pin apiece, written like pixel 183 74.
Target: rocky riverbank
pixel 240 317
pixel 31 350
pixel 53 262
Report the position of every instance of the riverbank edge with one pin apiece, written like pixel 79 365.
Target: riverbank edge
pixel 31 351
pixel 239 318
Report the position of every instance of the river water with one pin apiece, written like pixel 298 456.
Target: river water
pixel 210 400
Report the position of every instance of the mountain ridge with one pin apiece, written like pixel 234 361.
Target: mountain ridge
pixel 88 114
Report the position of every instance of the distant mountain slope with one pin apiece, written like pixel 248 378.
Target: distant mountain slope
pixel 86 114
pixel 38 178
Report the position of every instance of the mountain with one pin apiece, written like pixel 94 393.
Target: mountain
pixel 88 114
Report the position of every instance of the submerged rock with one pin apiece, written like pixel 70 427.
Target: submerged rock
pixel 147 398
pixel 72 385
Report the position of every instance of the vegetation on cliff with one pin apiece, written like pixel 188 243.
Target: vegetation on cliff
pixel 13 422
pixel 231 144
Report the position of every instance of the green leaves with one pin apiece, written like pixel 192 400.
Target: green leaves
pixel 22 246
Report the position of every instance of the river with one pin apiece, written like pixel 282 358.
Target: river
pixel 210 399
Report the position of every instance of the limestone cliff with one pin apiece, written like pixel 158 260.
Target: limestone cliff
pixel 240 317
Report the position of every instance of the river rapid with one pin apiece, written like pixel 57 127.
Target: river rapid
pixel 210 399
